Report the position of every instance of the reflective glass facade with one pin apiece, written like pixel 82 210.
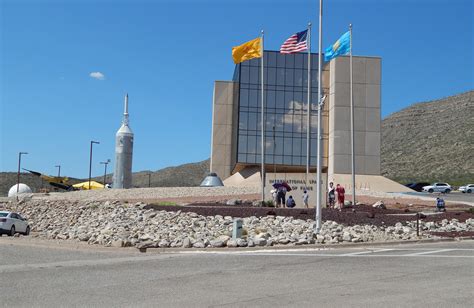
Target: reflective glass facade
pixel 285 78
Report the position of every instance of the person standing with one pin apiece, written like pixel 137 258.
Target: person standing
pixel 331 195
pixel 274 197
pixel 340 191
pixel 440 205
pixel 281 194
pixel 305 198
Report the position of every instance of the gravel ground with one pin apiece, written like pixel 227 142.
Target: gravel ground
pixel 154 193
pixel 362 214
pixel 184 195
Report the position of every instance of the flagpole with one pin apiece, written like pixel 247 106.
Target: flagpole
pixel 308 121
pixel 352 119
pixel 318 180
pixel 262 120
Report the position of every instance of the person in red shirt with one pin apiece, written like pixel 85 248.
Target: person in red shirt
pixel 340 196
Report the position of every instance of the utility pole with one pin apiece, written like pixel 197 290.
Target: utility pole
pixel 105 170
pixel 90 162
pixel 18 174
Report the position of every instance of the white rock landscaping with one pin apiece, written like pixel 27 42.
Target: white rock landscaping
pixel 125 225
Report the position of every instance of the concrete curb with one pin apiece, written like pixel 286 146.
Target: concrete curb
pixel 71 245
pixel 309 246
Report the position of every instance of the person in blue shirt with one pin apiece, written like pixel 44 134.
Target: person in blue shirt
pixel 440 205
pixel 290 202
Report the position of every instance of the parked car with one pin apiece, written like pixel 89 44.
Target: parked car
pixel 438 187
pixel 469 188
pixel 417 186
pixel 11 223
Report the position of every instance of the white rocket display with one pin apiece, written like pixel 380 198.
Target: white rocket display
pixel 123 153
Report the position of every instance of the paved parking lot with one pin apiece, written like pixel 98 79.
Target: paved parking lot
pixel 438 274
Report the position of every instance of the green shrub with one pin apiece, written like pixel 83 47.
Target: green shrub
pixel 268 203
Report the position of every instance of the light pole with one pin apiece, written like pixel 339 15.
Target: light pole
pixel 90 162
pixel 59 170
pixel 105 170
pixel 18 174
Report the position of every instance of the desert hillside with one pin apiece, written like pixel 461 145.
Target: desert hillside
pixel 431 141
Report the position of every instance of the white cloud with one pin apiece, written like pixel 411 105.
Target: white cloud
pixel 97 75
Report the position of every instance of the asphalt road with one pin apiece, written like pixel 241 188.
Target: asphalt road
pixel 409 275
pixel 452 196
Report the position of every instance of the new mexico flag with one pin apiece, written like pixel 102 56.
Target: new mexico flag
pixel 246 51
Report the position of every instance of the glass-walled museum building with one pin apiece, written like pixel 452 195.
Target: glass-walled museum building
pixel 286 90
pixel 236 127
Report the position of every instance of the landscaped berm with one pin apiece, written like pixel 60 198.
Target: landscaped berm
pixel 203 217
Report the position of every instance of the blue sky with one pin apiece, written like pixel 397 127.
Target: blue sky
pixel 167 54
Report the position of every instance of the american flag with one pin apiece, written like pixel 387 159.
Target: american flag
pixel 295 43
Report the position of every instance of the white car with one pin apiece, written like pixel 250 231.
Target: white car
pixel 438 187
pixel 469 188
pixel 11 223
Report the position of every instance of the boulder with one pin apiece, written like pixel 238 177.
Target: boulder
pixel 187 243
pixel 234 202
pixel 199 244
pixel 232 243
pixel 217 243
pixel 260 241
pixel 146 244
pixel 117 243
pixel 379 205
pixel 241 242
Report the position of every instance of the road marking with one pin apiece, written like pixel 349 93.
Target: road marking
pixel 355 255
pixel 424 249
pixel 374 252
pixel 364 252
pixel 429 252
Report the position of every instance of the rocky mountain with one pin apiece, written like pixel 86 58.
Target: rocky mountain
pixel 430 141
pixel 184 175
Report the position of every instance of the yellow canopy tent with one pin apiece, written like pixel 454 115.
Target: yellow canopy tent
pixel 85 185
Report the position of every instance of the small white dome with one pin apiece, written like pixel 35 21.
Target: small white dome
pixel 23 189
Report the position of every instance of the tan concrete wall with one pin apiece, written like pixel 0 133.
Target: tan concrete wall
pixel 224 121
pixel 296 180
pixel 367 183
pixel 325 121
pixel 366 95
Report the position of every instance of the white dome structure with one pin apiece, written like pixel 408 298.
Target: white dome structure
pixel 23 189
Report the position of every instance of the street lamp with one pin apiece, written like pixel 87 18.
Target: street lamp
pixel 105 169
pixel 18 174
pixel 59 170
pixel 90 162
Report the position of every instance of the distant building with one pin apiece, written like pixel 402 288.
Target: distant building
pixel 236 130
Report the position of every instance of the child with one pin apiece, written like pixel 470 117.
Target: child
pixel 290 202
pixel 305 198
pixel 275 197
pixel 440 205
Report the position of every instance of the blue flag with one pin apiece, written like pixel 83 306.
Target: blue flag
pixel 341 47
